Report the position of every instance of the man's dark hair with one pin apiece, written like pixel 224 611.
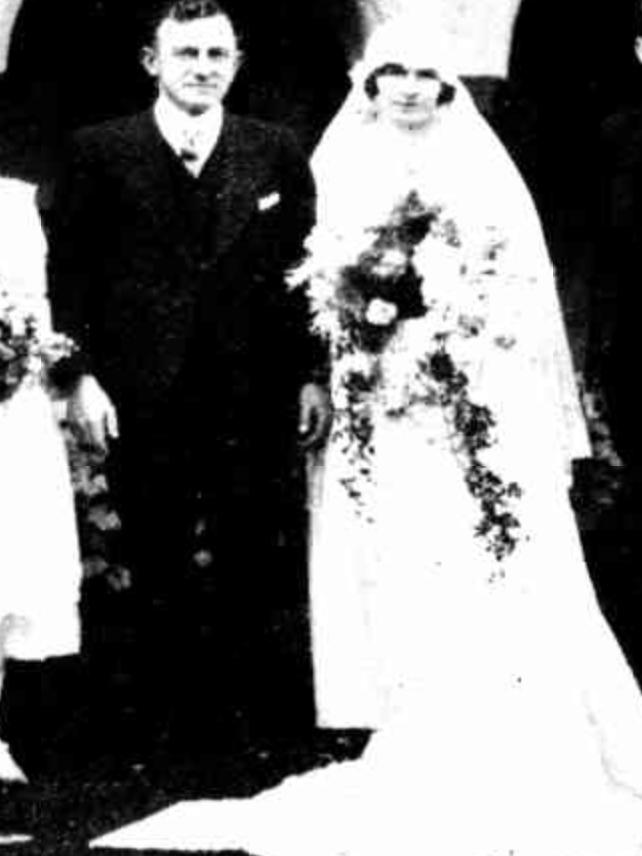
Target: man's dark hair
pixel 637 21
pixel 371 87
pixel 180 10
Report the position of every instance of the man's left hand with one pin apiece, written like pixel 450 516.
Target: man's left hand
pixel 315 414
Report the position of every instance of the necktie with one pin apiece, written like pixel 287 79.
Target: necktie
pixel 189 151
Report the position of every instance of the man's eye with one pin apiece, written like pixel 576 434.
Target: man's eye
pixel 218 54
pixel 186 53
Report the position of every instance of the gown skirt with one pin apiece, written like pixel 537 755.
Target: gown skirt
pixel 40 567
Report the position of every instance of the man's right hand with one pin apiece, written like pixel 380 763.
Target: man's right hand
pixel 91 411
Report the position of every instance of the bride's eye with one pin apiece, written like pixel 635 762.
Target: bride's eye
pixel 427 74
pixel 392 69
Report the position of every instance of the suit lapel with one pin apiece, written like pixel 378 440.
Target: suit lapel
pixel 155 180
pixel 231 179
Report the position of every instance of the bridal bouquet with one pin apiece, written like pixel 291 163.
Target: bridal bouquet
pixel 367 283
pixel 401 304
pixel 26 349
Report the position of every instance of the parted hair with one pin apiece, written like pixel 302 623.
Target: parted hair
pixel 371 86
pixel 180 10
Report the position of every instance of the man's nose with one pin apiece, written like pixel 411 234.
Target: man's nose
pixel 203 65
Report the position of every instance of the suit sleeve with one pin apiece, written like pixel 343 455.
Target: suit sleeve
pixel 299 206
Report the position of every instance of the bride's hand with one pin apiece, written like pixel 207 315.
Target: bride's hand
pixel 91 411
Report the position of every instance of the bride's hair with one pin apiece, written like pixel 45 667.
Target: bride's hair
pixel 371 86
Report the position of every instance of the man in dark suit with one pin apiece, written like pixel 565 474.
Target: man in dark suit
pixel 170 235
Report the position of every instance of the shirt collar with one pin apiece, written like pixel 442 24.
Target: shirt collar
pixel 174 124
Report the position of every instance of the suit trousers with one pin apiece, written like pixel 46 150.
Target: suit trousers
pixel 214 531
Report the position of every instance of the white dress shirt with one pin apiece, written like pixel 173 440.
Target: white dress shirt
pixel 193 138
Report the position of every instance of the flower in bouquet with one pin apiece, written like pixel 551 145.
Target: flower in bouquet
pixel 27 349
pixel 381 313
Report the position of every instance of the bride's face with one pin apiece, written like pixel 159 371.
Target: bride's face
pixel 407 96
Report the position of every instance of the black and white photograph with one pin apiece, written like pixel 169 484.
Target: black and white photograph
pixel 320 454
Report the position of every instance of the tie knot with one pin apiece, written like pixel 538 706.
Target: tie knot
pixel 187 155
pixel 189 149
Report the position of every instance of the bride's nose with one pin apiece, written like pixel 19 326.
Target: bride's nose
pixel 410 82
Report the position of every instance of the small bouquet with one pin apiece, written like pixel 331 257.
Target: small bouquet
pixel 26 349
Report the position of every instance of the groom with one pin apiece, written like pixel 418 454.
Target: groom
pixel 170 235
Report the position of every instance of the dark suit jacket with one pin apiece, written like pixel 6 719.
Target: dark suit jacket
pixel 169 281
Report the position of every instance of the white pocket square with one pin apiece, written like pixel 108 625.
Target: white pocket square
pixel 269 201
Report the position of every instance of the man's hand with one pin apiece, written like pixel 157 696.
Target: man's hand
pixel 90 410
pixel 315 414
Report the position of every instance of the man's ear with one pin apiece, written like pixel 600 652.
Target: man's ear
pixel 238 64
pixel 149 60
pixel 638 48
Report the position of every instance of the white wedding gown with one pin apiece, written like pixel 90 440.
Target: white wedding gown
pixel 40 568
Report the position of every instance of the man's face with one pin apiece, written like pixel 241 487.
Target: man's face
pixel 194 61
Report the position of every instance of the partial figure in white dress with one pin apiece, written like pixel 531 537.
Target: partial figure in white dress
pixel 451 605
pixel 40 568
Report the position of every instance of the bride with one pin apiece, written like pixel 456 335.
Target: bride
pixel 451 604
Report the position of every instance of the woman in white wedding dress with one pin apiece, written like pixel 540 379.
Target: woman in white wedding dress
pixel 40 567
pixel 451 603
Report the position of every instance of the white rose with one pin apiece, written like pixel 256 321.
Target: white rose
pixel 381 313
